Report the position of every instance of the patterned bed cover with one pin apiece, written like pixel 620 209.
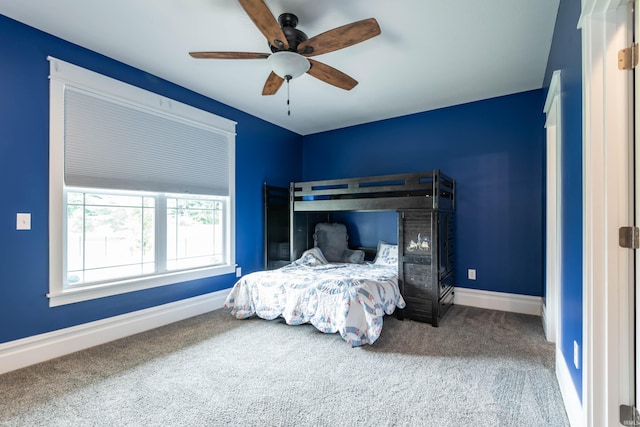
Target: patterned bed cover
pixel 350 299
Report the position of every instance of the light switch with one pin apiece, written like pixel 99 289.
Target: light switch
pixel 23 221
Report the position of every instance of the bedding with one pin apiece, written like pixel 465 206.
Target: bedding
pixel 350 299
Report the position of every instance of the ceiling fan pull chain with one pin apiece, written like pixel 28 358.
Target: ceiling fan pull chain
pixel 288 103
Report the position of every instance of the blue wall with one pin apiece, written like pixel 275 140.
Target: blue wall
pixel 494 149
pixel 264 152
pixel 566 56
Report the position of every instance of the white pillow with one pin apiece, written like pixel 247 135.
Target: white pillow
pixel 387 254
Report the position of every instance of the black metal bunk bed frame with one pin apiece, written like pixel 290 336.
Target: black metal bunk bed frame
pixel 425 203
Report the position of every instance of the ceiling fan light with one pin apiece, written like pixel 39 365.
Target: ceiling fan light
pixel 288 64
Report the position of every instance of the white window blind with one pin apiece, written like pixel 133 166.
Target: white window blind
pixel 110 143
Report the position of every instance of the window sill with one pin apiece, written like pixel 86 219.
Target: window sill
pixel 73 295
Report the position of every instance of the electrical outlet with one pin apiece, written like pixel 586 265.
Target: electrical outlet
pixel 238 271
pixel 472 274
pixel 576 354
pixel 23 221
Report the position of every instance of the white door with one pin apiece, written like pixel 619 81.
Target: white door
pixel 608 378
pixel 636 132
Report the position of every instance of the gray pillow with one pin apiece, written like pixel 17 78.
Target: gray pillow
pixel 332 241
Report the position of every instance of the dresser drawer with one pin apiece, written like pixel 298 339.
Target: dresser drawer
pixel 419 309
pixel 447 284
pixel 418 280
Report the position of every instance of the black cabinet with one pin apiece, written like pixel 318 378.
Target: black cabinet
pixel 426 261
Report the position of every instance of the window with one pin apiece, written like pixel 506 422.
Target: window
pixel 141 188
pixel 109 236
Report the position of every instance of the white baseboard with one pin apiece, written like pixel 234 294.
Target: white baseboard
pixel 502 301
pixel 572 404
pixel 544 321
pixel 39 348
pixel 549 330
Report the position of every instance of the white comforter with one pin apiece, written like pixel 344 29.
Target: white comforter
pixel 350 299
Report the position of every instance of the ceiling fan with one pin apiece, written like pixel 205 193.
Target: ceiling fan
pixel 291 49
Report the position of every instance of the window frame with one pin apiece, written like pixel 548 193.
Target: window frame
pixel 63 73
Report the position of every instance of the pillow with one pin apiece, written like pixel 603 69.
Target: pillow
pixel 354 256
pixel 387 254
pixel 331 239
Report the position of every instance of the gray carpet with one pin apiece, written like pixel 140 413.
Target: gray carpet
pixel 479 368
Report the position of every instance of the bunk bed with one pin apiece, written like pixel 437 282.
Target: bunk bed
pixel 425 204
pixel 419 284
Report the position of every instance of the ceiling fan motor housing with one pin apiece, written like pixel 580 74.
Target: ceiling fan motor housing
pixel 288 22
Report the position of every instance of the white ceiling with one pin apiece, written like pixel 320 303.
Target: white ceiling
pixel 430 54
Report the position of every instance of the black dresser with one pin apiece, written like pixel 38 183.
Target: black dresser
pixel 426 263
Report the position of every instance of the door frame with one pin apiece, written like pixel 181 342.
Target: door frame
pixel 553 267
pixel 607 197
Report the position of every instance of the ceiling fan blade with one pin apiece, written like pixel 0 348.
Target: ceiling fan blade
pixel 266 22
pixel 340 37
pixel 229 55
pixel 272 84
pixel 330 75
